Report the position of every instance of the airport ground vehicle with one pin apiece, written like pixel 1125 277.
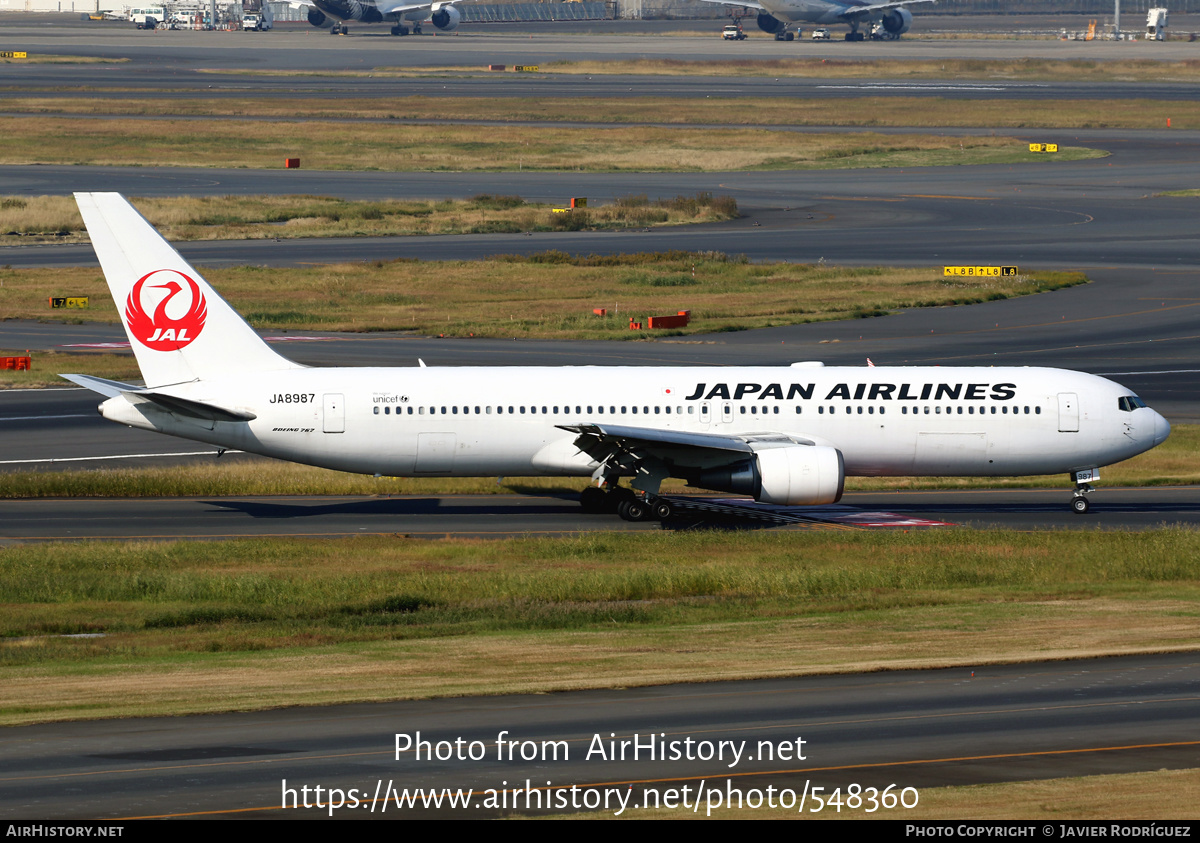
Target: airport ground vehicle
pixel 733 32
pixel 820 34
pixel 780 434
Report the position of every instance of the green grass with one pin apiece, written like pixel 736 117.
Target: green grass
pixel 266 622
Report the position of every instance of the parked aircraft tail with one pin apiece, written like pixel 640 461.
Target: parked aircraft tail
pixel 180 329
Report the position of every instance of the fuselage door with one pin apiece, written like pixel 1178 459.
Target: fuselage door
pixel 705 414
pixel 1068 412
pixel 726 414
pixel 335 413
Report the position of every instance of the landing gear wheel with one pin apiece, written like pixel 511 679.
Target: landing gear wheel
pixel 1080 505
pixel 854 36
pixel 791 36
pixel 633 509
pixel 593 499
pixel 662 510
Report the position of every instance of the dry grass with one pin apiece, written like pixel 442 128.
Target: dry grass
pixel 1027 69
pixel 408 146
pixel 26 219
pixel 506 296
pixel 931 112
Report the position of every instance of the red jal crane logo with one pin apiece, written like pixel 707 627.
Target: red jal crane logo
pixel 161 331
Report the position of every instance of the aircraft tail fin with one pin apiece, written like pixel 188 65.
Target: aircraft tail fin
pixel 180 329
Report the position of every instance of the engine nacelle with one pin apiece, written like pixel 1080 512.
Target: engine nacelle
pixel 897 21
pixel 800 475
pixel 316 17
pixel 770 24
pixel 446 18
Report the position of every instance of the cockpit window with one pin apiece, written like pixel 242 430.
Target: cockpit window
pixel 1129 403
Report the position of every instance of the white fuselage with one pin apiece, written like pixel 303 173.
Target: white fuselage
pixel 503 421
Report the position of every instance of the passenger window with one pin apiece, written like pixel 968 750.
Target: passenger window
pixel 543 411
pixel 376 410
pixel 797 409
pixel 488 409
pixel 776 409
pixel 820 410
pixel 522 409
pixel 1037 411
pixel 871 411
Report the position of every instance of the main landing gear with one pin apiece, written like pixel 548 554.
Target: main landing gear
pixel 400 30
pixel 626 503
pixel 339 29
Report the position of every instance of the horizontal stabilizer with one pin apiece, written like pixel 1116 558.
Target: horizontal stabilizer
pixel 170 403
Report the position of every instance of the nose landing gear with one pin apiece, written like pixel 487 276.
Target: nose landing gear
pixel 1079 504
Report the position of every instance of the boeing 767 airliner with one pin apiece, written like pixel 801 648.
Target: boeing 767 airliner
pixel 785 435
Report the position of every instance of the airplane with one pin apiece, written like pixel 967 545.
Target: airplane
pixel 774 16
pixel 786 435
pixel 442 14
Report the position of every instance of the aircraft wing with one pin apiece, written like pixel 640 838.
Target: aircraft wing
pixel 867 11
pixel 610 442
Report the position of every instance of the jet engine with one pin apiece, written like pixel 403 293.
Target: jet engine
pixel 770 24
pixel 446 17
pixel 316 17
pixel 800 475
pixel 896 22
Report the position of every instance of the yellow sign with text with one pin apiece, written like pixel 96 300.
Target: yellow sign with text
pixel 68 301
pixel 526 68
pixel 11 55
pixel 1043 147
pixel 978 271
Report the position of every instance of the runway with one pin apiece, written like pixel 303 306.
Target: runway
pixel 913 729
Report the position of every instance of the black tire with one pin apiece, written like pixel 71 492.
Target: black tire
pixel 791 36
pixel 1080 505
pixel 662 510
pixel 635 510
